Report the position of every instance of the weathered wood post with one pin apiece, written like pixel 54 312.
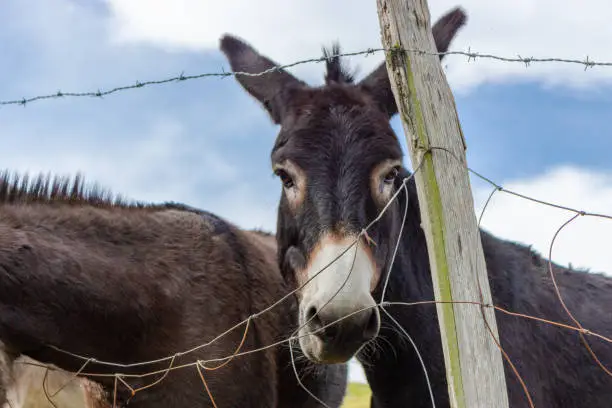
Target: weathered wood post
pixel 474 365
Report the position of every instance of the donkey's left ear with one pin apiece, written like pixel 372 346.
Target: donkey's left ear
pixel 444 31
pixel 269 88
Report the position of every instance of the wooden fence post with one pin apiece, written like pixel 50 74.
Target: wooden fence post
pixel 474 365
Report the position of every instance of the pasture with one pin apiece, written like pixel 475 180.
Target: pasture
pixel 357 396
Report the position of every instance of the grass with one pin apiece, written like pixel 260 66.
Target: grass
pixel 357 396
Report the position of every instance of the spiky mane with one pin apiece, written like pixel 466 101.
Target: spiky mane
pixel 336 70
pixel 16 188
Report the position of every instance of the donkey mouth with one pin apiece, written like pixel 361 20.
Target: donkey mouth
pixel 336 341
pixel 324 351
pixel 331 354
pixel 340 354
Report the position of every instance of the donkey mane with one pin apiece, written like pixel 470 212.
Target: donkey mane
pixel 337 71
pixel 16 188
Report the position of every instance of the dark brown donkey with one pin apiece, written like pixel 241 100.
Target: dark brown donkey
pixel 340 162
pixel 126 283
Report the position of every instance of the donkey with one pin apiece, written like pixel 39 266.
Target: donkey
pixel 340 163
pixel 84 273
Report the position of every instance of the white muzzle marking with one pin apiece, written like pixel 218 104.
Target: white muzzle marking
pixel 346 279
pixel 343 273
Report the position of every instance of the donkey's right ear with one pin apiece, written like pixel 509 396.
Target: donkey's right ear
pixel 270 88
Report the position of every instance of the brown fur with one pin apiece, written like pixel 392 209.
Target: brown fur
pixel 129 282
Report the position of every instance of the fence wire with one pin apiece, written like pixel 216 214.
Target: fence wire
pixel 216 363
pixel 471 56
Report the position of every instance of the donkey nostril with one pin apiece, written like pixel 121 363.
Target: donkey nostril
pixel 313 319
pixel 318 327
pixel 311 313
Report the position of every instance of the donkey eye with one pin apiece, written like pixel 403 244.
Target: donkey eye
pixel 391 175
pixel 285 178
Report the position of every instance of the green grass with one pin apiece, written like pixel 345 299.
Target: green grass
pixel 357 396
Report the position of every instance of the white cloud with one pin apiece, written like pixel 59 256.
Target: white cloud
pixel 286 30
pixel 585 243
pixel 290 31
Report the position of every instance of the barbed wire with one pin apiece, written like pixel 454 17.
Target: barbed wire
pixel 471 56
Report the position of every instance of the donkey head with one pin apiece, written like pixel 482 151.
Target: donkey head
pixel 339 162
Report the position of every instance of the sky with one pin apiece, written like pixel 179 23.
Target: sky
pixel 540 130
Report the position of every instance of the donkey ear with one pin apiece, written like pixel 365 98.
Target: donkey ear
pixel 268 88
pixel 444 30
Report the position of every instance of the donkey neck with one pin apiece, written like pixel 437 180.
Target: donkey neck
pixel 409 281
pixel 409 278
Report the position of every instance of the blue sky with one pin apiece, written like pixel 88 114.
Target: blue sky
pixel 543 130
